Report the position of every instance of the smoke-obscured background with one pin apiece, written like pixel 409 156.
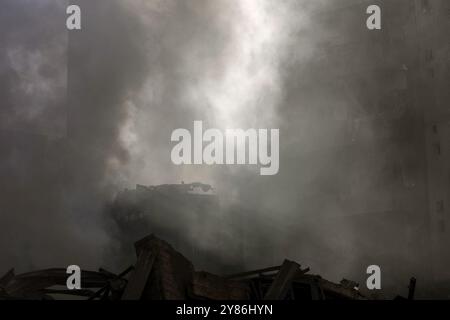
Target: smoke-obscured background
pixel 85 114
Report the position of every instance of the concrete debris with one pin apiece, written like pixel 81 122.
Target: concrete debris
pixel 162 273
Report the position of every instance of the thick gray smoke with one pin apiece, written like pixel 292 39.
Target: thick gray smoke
pixel 140 69
pixel 258 64
pixel 63 103
pixel 32 118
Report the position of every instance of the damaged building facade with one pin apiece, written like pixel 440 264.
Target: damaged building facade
pixel 400 88
pixel 188 215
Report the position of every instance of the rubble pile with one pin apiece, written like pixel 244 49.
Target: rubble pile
pixel 162 273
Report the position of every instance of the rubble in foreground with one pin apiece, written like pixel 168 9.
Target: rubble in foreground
pixel 162 273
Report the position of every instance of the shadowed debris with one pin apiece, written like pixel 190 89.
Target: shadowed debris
pixel 162 273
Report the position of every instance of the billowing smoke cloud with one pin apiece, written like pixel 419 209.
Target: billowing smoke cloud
pixel 32 119
pixel 140 69
pixel 63 103
pixel 258 64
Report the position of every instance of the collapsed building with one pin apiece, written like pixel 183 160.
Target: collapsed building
pixel 187 215
pixel 162 273
pixel 217 237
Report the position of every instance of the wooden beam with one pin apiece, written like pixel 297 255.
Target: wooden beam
pixel 411 288
pixel 282 283
pixel 110 284
pixel 78 292
pixel 253 272
pixel 138 279
pixel 7 278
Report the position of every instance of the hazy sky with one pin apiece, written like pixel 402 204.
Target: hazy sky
pixel 109 96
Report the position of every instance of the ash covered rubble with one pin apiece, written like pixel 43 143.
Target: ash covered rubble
pixel 162 273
